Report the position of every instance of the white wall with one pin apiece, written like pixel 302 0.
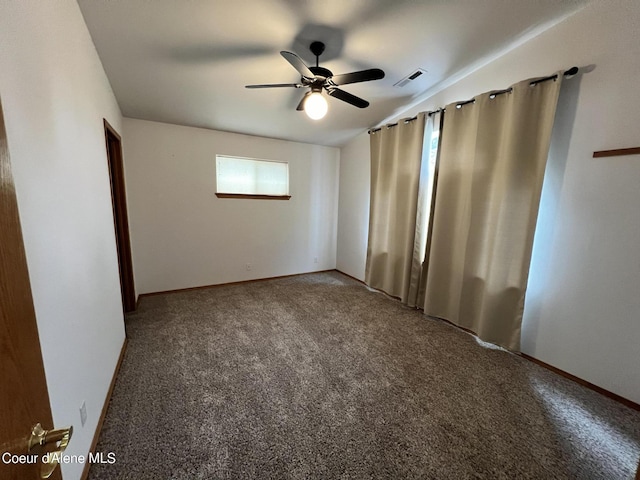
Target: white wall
pixel 583 299
pixel 184 236
pixel 55 95
pixel 353 217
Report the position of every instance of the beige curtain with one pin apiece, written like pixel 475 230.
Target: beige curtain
pixel 492 160
pixel 396 155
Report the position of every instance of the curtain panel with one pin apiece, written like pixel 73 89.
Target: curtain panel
pixel 492 160
pixel 396 157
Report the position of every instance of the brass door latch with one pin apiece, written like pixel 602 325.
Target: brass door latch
pixel 40 438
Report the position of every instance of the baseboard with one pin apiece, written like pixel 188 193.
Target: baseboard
pixel 105 408
pixel 202 287
pixel 614 396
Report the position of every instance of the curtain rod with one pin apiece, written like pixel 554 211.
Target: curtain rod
pixel 567 73
pixel 405 120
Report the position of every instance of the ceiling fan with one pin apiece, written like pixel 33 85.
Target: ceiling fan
pixel 318 78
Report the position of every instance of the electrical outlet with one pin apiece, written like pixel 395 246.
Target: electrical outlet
pixel 315 259
pixel 248 267
pixel 83 413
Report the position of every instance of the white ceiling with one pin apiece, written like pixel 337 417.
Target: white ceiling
pixel 187 61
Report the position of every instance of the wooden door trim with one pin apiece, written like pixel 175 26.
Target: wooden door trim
pixel 120 216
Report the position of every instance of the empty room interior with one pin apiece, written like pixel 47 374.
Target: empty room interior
pixel 315 239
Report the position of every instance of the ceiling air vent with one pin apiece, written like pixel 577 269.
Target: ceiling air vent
pixel 409 78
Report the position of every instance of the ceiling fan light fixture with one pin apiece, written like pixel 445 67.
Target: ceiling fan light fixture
pixel 315 106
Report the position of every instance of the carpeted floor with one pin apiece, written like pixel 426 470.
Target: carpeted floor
pixel 317 377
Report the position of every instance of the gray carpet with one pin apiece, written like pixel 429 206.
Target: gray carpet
pixel 318 377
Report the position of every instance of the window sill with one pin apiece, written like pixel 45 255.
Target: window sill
pixel 252 196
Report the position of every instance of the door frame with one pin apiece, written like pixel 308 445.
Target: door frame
pixel 115 162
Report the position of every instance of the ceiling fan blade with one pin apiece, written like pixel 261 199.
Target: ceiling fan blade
pixel 355 77
pixel 347 97
pixel 275 85
pixel 300 106
pixel 297 63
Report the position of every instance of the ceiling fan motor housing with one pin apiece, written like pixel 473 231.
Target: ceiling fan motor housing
pixel 321 72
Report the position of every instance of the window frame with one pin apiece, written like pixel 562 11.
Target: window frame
pixel 254 196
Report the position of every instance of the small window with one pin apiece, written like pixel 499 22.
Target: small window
pixel 238 177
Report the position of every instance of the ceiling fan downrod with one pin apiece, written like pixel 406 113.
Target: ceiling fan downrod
pixel 317 48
